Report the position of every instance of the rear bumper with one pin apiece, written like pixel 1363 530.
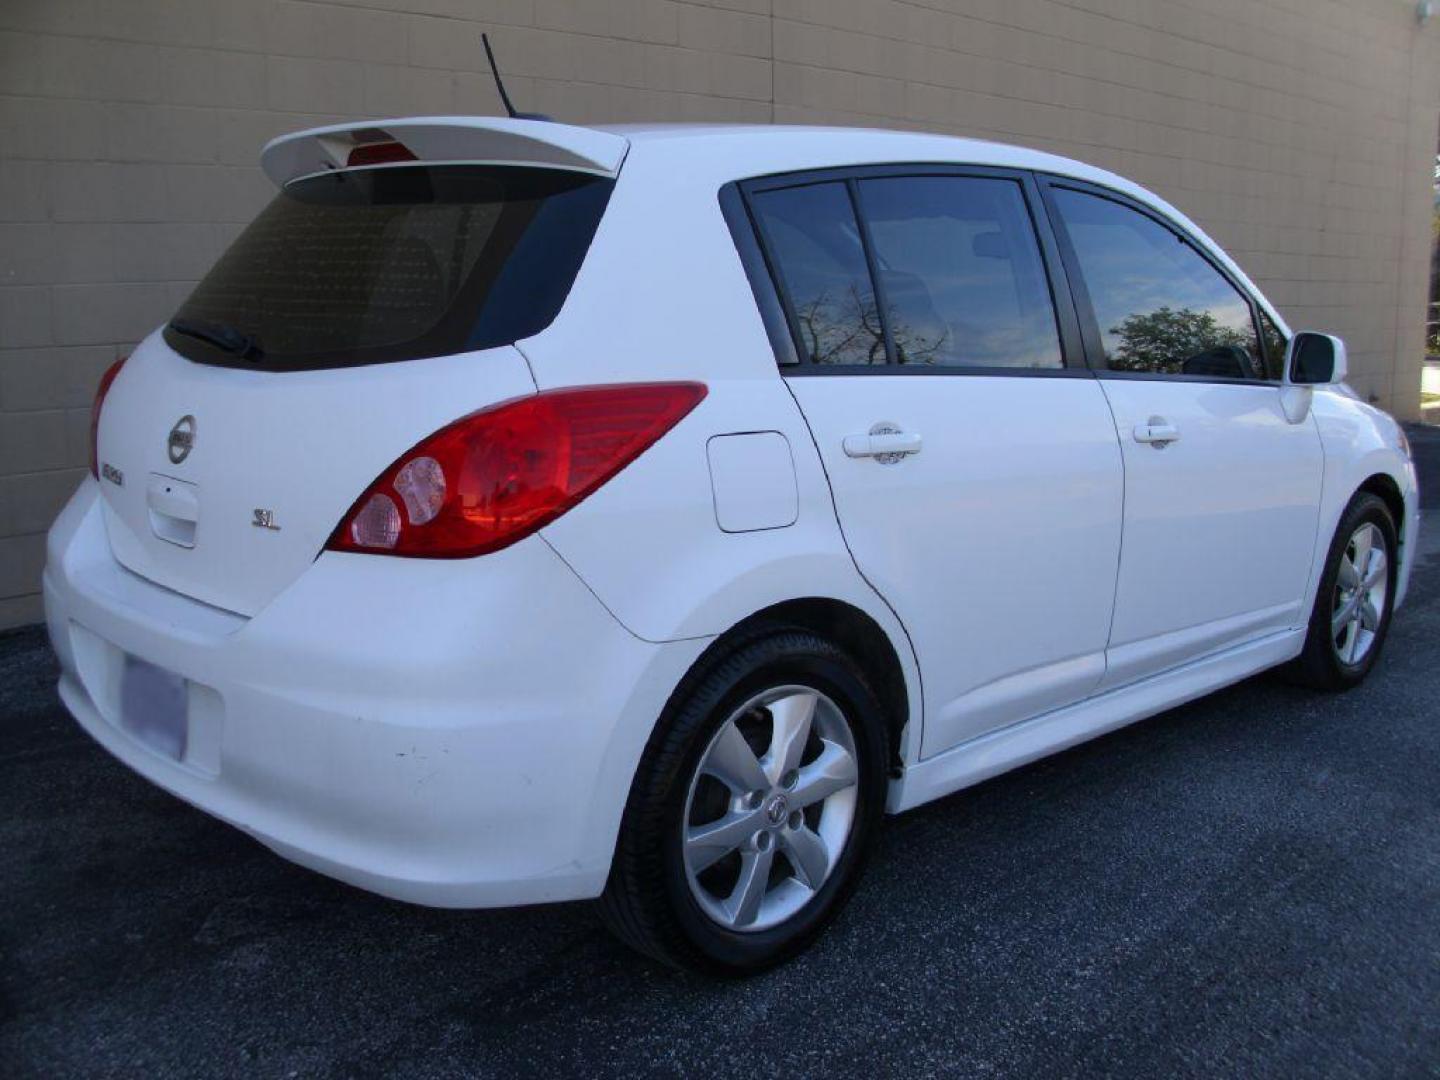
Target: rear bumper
pixel 455 733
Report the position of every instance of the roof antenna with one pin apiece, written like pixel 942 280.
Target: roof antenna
pixel 504 97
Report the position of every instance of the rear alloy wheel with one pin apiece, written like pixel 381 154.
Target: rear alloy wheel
pixel 752 808
pixel 763 832
pixel 1352 606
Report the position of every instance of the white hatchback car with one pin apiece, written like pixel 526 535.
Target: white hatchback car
pixel 521 512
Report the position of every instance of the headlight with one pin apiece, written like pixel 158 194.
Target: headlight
pixel 1404 442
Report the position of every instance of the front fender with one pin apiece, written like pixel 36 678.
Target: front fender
pixel 1361 442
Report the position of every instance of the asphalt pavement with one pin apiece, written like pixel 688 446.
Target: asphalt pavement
pixel 1246 886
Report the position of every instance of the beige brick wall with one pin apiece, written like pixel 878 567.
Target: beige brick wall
pixel 1298 132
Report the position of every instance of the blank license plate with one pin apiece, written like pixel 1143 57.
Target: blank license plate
pixel 153 707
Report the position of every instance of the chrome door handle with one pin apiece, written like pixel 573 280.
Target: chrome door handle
pixel 886 446
pixel 1157 431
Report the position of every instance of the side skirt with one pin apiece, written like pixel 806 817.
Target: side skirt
pixel 1019 744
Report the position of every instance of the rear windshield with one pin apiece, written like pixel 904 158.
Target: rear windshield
pixel 374 265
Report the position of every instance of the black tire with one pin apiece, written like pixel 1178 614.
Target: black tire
pixel 1319 666
pixel 648 902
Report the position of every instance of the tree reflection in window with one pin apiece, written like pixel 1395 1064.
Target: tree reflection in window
pixel 1168 340
pixel 814 242
pixel 1161 306
pixel 961 272
pixel 958 259
pixel 850 332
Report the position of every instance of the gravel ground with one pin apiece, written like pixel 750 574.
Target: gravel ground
pixel 1246 886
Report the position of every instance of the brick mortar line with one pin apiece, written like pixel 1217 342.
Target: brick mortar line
pixel 707 94
pixel 772 61
pixel 1256 28
pixel 899 80
pixel 1422 311
pixel 1375 18
pixel 1306 125
pixel 266 53
pixel 21 96
pixel 698 5
pixel 1227 162
pixel 1249 58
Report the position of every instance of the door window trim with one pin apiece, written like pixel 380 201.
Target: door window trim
pixel 1090 326
pixel 756 263
pixel 777 314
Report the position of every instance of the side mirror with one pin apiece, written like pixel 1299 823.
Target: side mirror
pixel 1315 360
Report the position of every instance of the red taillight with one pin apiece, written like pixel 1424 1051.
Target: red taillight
pixel 496 476
pixel 378 153
pixel 100 391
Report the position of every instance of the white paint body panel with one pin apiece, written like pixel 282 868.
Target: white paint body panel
pixel 465 732
pixel 399 724
pixel 1000 565
pixel 752 478
pixel 1029 740
pixel 273 441
pixel 1219 524
pixel 1360 442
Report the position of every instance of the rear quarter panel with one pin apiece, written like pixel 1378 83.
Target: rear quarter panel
pixel 662 295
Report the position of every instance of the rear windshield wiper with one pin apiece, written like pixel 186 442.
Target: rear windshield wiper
pixel 221 336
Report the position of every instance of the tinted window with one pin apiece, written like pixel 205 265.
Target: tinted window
pixel 961 273
pixel 1160 306
pixel 393 263
pixel 1275 345
pixel 815 247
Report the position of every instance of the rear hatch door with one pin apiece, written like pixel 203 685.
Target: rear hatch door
pixel 267 463
pixel 365 308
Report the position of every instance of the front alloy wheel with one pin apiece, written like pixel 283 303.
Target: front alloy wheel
pixel 1362 587
pixel 1352 605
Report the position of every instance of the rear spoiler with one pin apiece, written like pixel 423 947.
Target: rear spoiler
pixel 452 139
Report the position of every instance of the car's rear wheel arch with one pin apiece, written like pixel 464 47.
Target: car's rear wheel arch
pixel 654 899
pixel 849 628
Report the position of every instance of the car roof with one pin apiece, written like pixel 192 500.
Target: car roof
pixel 741 149
pixel 752 146
pixel 718 153
pixel 703 154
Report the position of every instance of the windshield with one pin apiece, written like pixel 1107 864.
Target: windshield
pixel 396 263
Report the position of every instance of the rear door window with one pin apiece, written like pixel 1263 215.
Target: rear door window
pixel 961 275
pixel 374 265
pixel 815 247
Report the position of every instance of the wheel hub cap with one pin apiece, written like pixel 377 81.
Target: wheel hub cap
pixel 778 810
pixel 1362 585
pixel 770 808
